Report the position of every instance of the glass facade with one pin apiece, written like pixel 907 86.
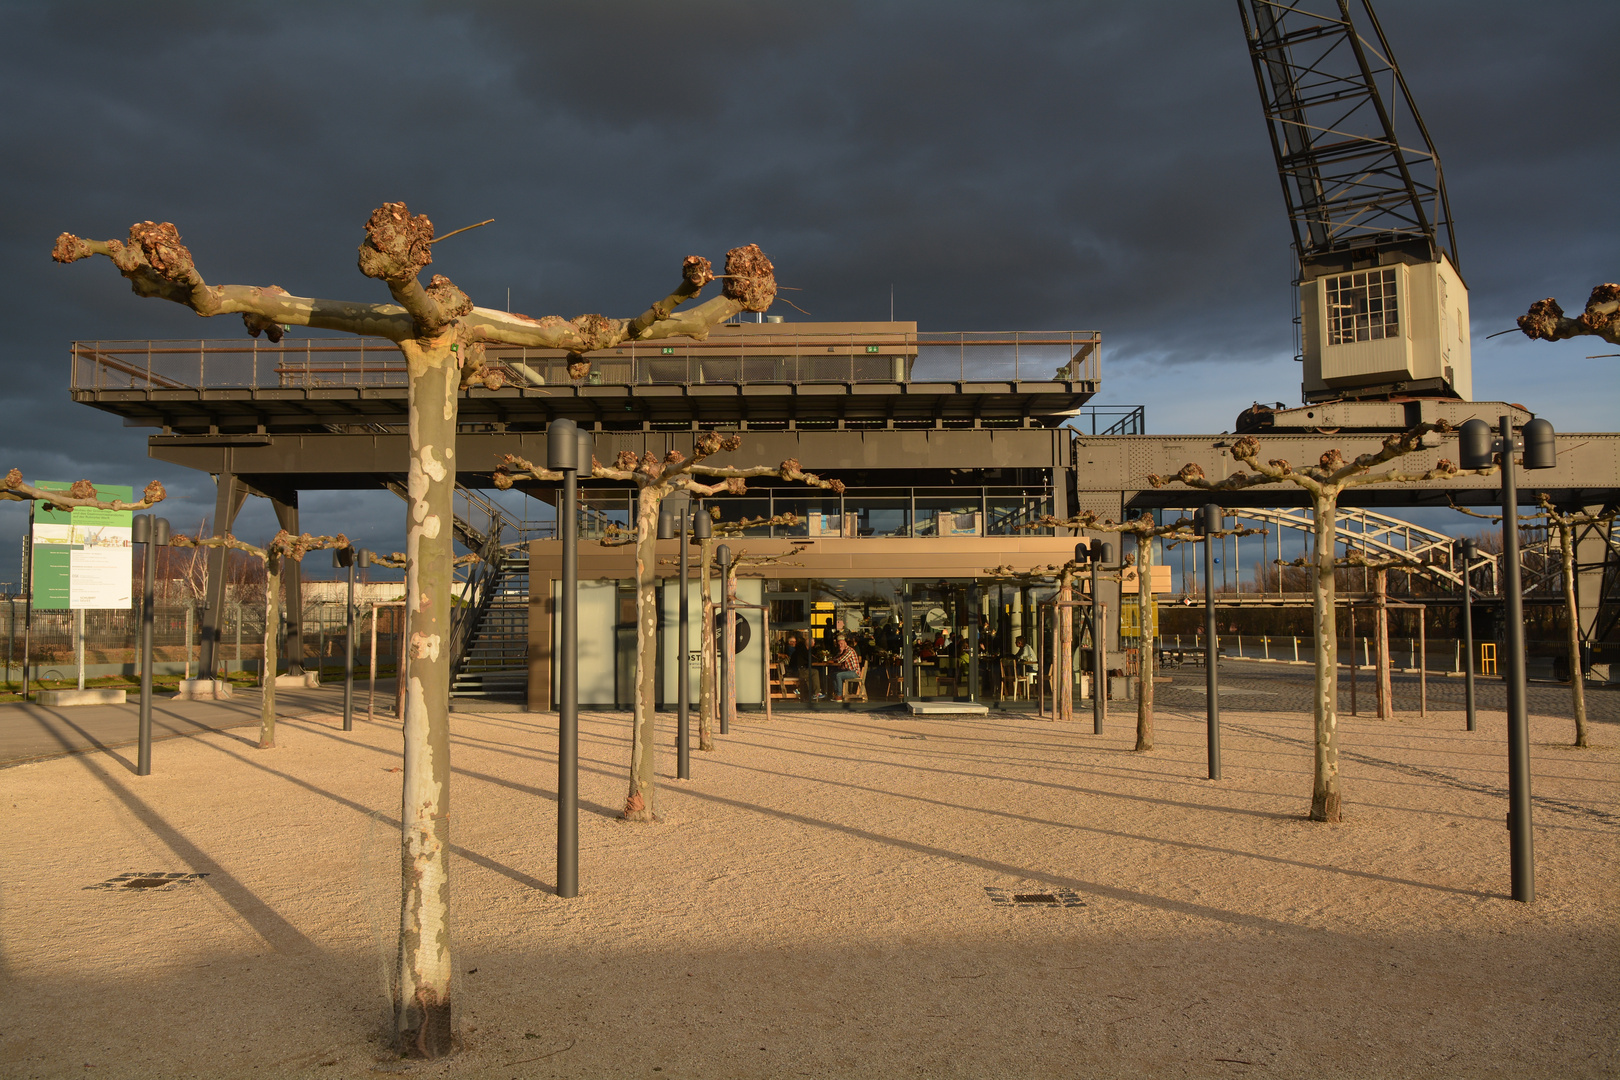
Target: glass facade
pixel 966 510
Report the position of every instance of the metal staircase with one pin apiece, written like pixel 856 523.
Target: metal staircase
pixel 494 666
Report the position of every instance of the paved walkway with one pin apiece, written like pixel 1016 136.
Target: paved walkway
pixel 1257 686
pixel 30 732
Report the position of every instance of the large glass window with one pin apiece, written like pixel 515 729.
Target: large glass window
pixel 1011 511
pixel 878 512
pixel 1362 307
pixel 866 611
pixel 950 512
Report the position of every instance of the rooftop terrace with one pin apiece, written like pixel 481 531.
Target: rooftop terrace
pixel 771 374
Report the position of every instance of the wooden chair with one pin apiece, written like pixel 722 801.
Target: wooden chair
pixel 856 691
pixel 784 685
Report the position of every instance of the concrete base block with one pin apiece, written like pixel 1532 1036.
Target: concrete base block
pixel 80 697
pixel 309 680
pixel 204 690
pixel 947 708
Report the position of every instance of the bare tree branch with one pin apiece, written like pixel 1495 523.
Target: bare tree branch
pixel 82 494
pixel 1545 321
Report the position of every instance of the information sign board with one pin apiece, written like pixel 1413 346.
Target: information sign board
pixel 83 558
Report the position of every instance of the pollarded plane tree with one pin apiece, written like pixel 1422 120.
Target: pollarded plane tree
pixel 1546 321
pixel 1566 524
pixel 1324 483
pixel 442 336
pixel 655 478
pixel 707 677
pixel 1061 672
pixel 1381 563
pixel 1145 529
pixel 728 585
pixel 274 555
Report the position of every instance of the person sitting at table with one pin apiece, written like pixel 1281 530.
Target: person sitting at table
pixel 1023 653
pixel 796 661
pixel 848 662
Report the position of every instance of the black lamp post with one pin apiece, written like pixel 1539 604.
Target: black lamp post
pixel 722 559
pixel 1208 523
pixel 1096 553
pixel 154 533
pixel 568 449
pixel 1470 552
pixel 675 519
pixel 346 558
pixel 1477 447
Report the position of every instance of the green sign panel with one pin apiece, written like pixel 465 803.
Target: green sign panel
pixel 82 558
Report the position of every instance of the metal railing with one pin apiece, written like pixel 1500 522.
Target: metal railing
pixel 1041 356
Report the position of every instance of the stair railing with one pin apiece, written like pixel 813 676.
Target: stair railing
pixel 482 580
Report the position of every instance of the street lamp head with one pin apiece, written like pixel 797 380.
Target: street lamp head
pixel 363 558
pixel 587 451
pixel 140 530
pixel 1470 552
pixel 666 523
pixel 1474 439
pixel 562 444
pixel 722 557
pixel 160 532
pixel 1210 519
pixel 342 558
pixel 1105 552
pixel 1540 445
pixel 702 525
pixel 1082 552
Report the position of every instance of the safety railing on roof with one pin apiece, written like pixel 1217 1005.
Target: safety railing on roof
pixel 1020 356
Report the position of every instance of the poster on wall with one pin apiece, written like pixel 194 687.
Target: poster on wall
pixel 83 558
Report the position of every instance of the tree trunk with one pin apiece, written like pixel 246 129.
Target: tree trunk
pixel 1063 661
pixel 639 802
pixel 422 1013
pixel 1325 783
pixel 1566 540
pixel 1386 688
pixel 272 620
pixel 730 645
pixel 1144 662
pixel 706 647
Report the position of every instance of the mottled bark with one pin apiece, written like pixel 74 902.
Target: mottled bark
pixel 1566 543
pixel 1144 617
pixel 422 1006
pixel 267 669
pixel 1063 661
pixel 639 802
pixel 1325 796
pixel 441 334
pixel 1385 685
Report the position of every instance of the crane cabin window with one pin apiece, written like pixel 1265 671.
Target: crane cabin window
pixel 1362 307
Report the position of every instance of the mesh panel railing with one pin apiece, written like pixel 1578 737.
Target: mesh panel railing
pixel 310 363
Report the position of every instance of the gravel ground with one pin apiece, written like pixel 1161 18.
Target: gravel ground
pixel 832 895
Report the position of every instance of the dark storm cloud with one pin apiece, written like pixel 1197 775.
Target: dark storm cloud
pixel 1041 165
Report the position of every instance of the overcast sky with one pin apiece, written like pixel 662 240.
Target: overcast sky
pixel 1061 165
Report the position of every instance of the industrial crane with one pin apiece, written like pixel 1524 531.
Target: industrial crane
pixel 1383 311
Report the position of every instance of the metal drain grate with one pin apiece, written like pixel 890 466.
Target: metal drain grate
pixel 1052 898
pixel 157 881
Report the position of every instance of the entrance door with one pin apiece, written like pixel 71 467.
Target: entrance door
pixel 942 637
